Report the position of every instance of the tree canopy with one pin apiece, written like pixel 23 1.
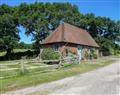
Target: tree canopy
pixel 40 18
pixel 9 33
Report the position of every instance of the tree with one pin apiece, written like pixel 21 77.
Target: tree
pixel 8 33
pixel 23 45
pixel 40 18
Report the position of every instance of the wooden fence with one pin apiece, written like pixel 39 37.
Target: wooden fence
pixel 49 68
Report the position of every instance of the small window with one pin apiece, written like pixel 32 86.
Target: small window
pixel 55 47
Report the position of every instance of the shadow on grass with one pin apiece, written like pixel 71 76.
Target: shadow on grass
pixel 18 55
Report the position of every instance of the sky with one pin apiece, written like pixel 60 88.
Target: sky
pixel 107 8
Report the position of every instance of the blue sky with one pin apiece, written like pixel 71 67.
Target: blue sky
pixel 107 8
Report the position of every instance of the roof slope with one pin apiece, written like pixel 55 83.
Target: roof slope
pixel 70 34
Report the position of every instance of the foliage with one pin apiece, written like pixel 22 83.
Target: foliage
pixel 40 18
pixel 87 54
pixel 41 15
pixel 19 53
pixel 49 54
pixel 8 33
pixel 94 53
pixel 23 45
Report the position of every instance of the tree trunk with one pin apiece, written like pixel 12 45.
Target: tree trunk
pixel 8 54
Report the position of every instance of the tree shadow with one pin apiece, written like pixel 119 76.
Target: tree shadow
pixel 18 55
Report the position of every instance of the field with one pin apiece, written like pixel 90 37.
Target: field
pixel 13 76
pixel 15 50
pixel 16 67
pixel 18 54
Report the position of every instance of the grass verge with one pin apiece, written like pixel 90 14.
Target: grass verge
pixel 39 78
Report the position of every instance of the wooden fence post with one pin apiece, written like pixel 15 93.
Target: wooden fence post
pixel 22 65
pixel 60 63
pixel 40 54
pixel 78 59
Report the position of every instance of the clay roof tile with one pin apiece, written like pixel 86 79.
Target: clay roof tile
pixel 71 34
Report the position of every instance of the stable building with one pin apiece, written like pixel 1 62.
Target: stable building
pixel 69 39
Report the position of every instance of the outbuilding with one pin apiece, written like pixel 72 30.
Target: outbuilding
pixel 69 39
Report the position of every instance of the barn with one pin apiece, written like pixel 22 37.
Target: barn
pixel 69 39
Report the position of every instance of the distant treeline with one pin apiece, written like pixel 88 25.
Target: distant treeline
pixel 23 45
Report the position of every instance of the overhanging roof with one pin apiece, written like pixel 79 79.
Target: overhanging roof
pixel 70 34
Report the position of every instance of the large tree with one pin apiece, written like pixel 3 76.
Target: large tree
pixel 40 18
pixel 8 33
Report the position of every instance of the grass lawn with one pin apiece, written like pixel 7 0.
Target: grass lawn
pixel 21 50
pixel 2 53
pixel 117 55
pixel 15 50
pixel 32 79
pixel 7 66
pixel 17 72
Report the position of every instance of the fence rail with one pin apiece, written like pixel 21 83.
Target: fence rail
pixel 33 69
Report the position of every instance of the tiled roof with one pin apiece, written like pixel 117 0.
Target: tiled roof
pixel 70 34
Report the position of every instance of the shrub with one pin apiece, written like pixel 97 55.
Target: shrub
pixel 94 55
pixel 49 54
pixel 88 54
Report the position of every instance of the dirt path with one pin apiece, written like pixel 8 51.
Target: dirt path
pixel 103 81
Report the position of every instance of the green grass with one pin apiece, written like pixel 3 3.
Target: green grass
pixel 15 50
pixel 8 73
pixel 21 50
pixel 16 72
pixel 16 61
pixel 39 78
pixel 117 55
pixel 2 53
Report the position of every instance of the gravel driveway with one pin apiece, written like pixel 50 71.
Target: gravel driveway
pixel 103 81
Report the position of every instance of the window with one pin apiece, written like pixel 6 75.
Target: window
pixel 55 47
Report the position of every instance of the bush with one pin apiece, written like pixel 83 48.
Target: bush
pixel 49 54
pixel 94 54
